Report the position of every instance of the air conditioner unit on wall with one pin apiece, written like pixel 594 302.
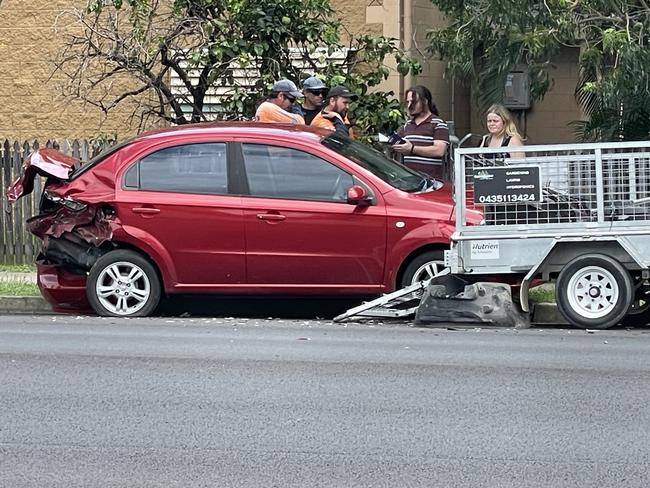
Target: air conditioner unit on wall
pixel 517 89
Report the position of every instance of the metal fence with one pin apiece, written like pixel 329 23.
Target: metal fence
pixel 580 183
pixel 17 244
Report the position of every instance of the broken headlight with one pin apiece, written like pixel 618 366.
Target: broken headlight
pixel 67 202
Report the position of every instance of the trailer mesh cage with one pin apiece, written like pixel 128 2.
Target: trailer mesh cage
pixel 561 184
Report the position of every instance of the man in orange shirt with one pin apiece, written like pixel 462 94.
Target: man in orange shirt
pixel 335 114
pixel 279 106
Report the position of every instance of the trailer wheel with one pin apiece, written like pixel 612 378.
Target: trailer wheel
pixel 594 291
pixel 123 283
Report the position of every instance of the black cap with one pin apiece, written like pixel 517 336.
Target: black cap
pixel 341 91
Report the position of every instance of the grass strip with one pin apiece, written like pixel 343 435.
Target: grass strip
pixel 16 289
pixel 542 295
pixel 17 268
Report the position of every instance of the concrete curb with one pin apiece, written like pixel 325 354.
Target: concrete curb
pixel 547 313
pixel 543 313
pixel 15 277
pixel 26 305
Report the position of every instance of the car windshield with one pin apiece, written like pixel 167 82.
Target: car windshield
pixel 391 172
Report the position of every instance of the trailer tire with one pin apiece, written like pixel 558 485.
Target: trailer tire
pixel 594 291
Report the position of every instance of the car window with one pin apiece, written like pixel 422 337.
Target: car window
pixel 189 168
pixel 393 173
pixel 282 172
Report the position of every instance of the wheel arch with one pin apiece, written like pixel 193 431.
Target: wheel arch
pixel 435 246
pixel 565 251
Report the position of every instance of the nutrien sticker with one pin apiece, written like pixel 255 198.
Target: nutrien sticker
pixel 484 250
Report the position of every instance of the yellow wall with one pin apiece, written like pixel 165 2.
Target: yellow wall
pixel 33 106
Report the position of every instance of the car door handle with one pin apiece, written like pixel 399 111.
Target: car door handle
pixel 146 210
pixel 271 217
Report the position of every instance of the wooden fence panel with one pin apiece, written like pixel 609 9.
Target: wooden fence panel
pixel 17 244
pixel 6 215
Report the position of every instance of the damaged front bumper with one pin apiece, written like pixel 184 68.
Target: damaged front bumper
pixel 447 298
pixel 73 238
pixel 75 233
pixel 63 289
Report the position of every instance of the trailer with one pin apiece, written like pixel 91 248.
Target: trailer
pixel 577 215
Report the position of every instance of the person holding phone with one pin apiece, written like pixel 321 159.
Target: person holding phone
pixel 425 134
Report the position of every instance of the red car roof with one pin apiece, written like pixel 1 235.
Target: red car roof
pixel 239 127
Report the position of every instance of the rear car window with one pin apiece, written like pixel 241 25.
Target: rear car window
pixel 188 168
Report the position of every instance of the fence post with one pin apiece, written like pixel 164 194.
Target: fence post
pixel 6 215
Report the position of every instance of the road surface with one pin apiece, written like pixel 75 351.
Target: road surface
pixel 172 402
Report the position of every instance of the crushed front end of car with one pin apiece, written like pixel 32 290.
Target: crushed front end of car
pixel 74 231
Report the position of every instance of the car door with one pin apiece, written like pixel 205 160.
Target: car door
pixel 301 234
pixel 177 199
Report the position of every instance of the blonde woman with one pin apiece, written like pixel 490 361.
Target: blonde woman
pixel 502 132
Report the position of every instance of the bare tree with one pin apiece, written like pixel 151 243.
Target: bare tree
pixel 116 54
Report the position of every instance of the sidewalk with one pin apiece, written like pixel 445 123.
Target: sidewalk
pixel 9 277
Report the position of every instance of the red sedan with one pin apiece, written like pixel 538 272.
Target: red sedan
pixel 232 208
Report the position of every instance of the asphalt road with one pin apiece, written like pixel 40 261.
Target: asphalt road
pixel 91 402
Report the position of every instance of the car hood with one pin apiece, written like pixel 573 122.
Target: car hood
pixel 45 162
pixel 445 196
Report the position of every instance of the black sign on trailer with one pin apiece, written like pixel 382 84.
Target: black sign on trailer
pixel 507 184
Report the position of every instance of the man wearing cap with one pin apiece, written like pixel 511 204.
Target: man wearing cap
pixel 279 106
pixel 314 91
pixel 335 114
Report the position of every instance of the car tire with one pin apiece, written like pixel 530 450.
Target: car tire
pixel 594 291
pixel 424 266
pixel 123 283
pixel 639 313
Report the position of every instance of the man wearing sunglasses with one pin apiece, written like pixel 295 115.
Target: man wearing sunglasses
pixel 279 106
pixel 314 91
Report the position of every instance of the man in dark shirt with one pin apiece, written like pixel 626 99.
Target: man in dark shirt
pixel 314 91
pixel 426 134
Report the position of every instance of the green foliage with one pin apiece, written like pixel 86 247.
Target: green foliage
pixel 486 38
pixel 542 294
pixel 614 85
pixel 207 43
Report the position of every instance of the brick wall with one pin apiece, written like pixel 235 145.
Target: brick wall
pixel 32 106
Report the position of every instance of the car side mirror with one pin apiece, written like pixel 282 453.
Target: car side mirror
pixel 358 195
